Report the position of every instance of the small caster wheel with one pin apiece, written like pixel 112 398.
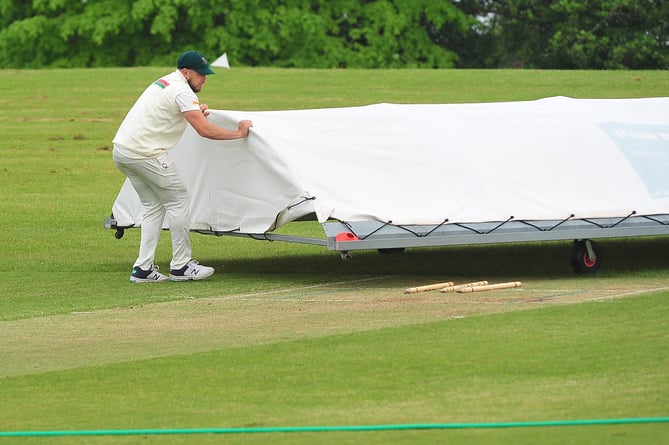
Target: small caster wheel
pixel 119 233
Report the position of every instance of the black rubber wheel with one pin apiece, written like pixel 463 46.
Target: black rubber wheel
pixel 345 256
pixel 581 261
pixel 119 233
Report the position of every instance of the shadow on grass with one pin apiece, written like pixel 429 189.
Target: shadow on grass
pixel 639 256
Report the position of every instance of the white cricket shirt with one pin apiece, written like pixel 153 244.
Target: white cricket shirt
pixel 155 123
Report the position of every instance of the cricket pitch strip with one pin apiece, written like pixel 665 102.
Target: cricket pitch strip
pixel 190 326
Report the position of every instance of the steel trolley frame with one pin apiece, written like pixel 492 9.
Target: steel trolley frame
pixel 344 237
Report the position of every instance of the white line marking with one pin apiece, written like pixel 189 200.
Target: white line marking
pixel 628 294
pixel 296 289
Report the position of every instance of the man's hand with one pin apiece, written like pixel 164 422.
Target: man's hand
pixel 244 126
pixel 204 109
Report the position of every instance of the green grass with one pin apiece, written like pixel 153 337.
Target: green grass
pixel 391 361
pixel 589 361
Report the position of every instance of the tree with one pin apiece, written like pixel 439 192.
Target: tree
pixel 604 34
pixel 607 34
pixel 316 33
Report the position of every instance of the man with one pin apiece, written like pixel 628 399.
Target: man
pixel 153 125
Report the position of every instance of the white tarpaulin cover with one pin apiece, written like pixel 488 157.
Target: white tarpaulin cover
pixel 422 164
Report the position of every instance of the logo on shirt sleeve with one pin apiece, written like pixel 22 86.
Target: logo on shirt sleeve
pixel 162 83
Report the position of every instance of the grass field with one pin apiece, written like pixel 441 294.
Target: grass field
pixel 290 335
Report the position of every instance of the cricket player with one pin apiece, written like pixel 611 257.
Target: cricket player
pixel 154 124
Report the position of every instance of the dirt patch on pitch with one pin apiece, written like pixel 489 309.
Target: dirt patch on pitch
pixel 199 325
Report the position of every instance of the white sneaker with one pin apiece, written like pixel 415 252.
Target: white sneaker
pixel 152 275
pixel 191 271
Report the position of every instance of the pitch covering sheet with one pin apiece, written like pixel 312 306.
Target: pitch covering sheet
pixel 424 164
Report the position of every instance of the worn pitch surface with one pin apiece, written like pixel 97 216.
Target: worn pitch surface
pixel 188 326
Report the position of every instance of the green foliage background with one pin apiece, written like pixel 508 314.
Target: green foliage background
pixel 609 34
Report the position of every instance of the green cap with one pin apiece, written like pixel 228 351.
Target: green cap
pixel 194 61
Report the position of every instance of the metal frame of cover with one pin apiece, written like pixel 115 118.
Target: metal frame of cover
pixel 344 236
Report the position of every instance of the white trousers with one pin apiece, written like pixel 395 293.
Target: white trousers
pixel 164 196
